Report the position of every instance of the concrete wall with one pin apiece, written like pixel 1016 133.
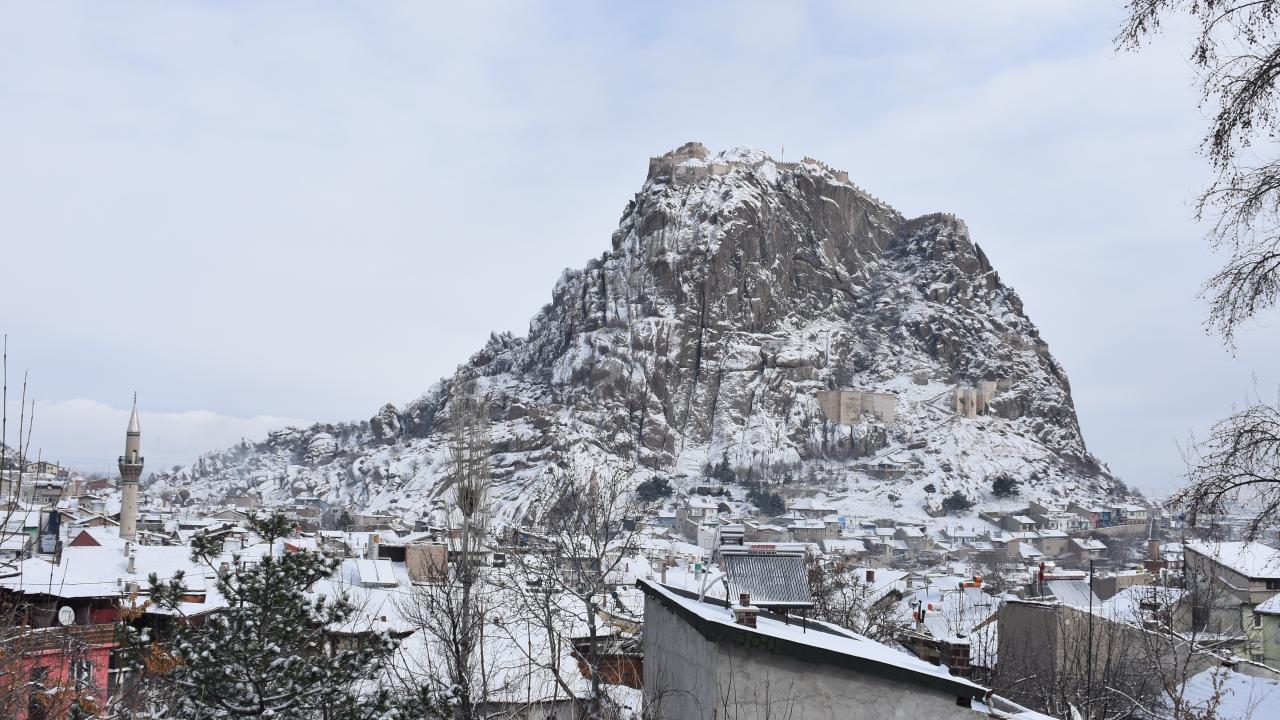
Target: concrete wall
pixel 690 677
pixel 848 406
pixel 680 667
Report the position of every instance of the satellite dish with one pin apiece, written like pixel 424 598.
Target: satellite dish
pixel 66 615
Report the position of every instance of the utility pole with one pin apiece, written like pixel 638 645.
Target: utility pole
pixel 1089 656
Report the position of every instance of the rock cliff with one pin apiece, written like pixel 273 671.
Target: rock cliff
pixel 734 290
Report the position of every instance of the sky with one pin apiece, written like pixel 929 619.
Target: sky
pixel 259 214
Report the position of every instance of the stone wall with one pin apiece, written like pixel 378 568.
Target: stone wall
pixel 847 407
pixel 672 165
pixel 970 401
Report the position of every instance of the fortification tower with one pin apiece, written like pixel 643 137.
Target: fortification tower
pixel 130 471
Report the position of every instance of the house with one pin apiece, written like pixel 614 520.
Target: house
pixel 1248 570
pixel 707 659
pixel 959 535
pixel 1041 642
pixel 1086 549
pixel 1243 576
pixel 913 536
pixel 1053 543
pixel 950 622
pixel 811 508
pixel 1018 523
pixel 814 531
pixel 1090 514
pixel 764 532
pixel 844 547
pixel 1266 619
pixel 665 518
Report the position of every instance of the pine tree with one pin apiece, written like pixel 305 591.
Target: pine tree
pixel 1004 485
pixel 956 502
pixel 269 652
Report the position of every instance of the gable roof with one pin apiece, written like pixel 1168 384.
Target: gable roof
pixel 1251 559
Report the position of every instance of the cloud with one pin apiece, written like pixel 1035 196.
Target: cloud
pixel 304 210
pixel 89 435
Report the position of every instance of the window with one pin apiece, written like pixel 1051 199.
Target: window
pixel 37 705
pixel 82 671
pixel 1273 584
pixel 1257 620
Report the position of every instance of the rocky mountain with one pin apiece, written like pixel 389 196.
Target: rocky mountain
pixel 735 290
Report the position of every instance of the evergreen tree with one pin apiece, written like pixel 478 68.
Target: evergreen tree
pixel 269 652
pixel 1004 485
pixel 956 502
pixel 723 472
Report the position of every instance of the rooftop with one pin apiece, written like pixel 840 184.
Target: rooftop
pixel 815 642
pixel 1251 559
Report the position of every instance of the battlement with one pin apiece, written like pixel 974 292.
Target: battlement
pixel 690 163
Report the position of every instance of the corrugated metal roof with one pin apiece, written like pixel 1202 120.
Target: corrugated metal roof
pixel 773 580
pixel 1075 593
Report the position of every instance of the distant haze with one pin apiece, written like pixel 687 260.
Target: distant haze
pixel 250 213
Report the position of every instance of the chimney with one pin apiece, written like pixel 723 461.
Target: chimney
pixel 744 613
pixel 129 553
pixel 1153 550
pixel 374 540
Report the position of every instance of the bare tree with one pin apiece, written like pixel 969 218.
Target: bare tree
pixel 1236 53
pixel 584 528
pixel 451 613
pixel 1069 662
pixel 1238 463
pixel 842 596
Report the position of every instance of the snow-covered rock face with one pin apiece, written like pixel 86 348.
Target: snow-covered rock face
pixel 736 288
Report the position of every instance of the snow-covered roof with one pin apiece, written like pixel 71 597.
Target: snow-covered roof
pixel 1232 695
pixel 808 525
pixel 1075 593
pixel 844 545
pixel 376 573
pixel 1024 520
pixel 1127 603
pixel 1271 606
pixel 1251 559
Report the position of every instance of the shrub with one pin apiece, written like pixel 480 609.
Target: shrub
pixel 654 489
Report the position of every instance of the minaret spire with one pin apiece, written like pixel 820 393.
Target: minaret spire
pixel 130 471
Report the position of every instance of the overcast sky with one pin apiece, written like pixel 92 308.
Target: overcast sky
pixel 254 212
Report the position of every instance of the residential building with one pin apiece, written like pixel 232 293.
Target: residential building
pixel 707 659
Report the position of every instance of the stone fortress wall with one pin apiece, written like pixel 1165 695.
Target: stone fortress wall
pixel 675 165
pixel 972 401
pixel 847 407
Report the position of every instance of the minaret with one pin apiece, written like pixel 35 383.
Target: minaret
pixel 130 471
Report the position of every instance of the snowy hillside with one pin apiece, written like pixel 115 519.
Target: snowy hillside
pixel 736 288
